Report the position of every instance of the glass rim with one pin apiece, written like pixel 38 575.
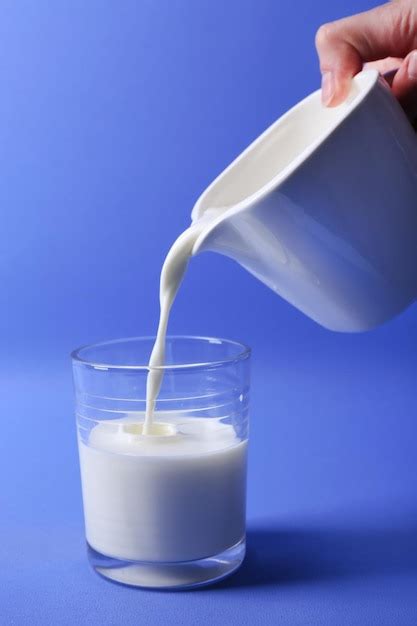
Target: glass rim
pixel 244 353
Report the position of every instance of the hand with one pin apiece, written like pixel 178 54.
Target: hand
pixel 384 38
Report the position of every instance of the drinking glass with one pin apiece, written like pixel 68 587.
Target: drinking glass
pixel 165 510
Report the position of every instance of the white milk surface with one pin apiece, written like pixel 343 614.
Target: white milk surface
pixel 174 496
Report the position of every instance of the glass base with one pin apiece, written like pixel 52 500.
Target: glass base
pixel 178 575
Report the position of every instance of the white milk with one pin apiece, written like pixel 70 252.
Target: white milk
pixel 178 495
pixel 172 273
pixel 164 492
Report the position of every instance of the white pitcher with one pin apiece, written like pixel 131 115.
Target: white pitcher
pixel 322 208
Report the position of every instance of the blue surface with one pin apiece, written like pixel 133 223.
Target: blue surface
pixel 114 117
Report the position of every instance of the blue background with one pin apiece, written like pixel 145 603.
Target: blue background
pixel 114 117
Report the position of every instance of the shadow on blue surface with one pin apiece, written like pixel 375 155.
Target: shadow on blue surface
pixel 282 556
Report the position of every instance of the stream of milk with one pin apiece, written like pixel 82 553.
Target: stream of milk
pixel 172 273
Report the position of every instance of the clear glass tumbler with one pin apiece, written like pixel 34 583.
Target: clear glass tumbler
pixel 165 510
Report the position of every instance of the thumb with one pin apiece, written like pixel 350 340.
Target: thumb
pixel 404 85
pixel 343 46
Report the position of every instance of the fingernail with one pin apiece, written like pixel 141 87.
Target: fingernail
pixel 327 88
pixel 412 66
